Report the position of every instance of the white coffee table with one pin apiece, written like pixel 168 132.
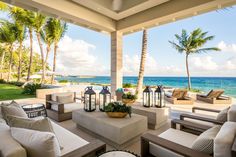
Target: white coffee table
pixel 117 132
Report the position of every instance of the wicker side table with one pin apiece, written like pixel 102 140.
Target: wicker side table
pixel 35 110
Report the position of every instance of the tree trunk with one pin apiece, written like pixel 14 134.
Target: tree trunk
pixel 42 57
pixel 10 63
pixel 54 62
pixel 20 62
pixel 45 61
pixel 31 53
pixel 189 79
pixel 2 61
pixel 142 65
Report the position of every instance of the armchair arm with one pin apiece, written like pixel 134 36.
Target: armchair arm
pixel 204 109
pixel 191 116
pixel 174 147
pixel 60 105
pixel 81 99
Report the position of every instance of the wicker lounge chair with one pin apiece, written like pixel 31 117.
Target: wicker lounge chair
pixel 60 111
pixel 179 96
pixel 177 143
pixel 215 97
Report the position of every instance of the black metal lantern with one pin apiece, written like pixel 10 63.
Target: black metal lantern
pixel 159 97
pixel 104 98
pixel 147 97
pixel 89 99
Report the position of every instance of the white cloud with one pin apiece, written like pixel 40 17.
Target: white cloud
pixel 203 63
pixel 227 47
pixel 75 57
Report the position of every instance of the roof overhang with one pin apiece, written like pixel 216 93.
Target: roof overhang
pixel 133 16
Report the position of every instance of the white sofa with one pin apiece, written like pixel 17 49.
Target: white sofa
pixel 73 145
pixel 177 143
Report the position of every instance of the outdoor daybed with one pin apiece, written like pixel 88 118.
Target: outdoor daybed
pixel 179 96
pixel 217 141
pixel 215 97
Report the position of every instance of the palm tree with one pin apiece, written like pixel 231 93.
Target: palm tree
pixel 46 35
pixel 8 35
pixel 39 21
pixel 14 11
pixel 59 28
pixel 142 64
pixel 192 44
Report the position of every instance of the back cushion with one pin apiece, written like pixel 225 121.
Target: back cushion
pixel 224 140
pixel 232 114
pixel 54 96
pixel 222 116
pixel 65 99
pixel 8 146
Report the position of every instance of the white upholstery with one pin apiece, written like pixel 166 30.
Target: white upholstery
pixel 68 107
pixel 67 140
pixel 199 121
pixel 2 121
pixel 232 114
pixel 54 96
pixel 8 146
pixel 224 140
pixel 176 136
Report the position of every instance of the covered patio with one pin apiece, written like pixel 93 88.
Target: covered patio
pixel 121 17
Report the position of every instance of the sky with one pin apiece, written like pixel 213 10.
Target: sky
pixel 86 52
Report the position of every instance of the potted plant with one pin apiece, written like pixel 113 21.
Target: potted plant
pixel 117 110
pixel 129 98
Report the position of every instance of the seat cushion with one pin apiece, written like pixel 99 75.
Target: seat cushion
pixel 204 143
pixel 67 139
pixel 9 147
pixel 68 107
pixel 224 140
pixel 176 136
pixel 231 116
pixel 199 121
pixel 54 96
pixel 222 115
pixel 37 143
pixel 12 109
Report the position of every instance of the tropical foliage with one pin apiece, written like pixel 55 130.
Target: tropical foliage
pixel 16 59
pixel 118 107
pixel 192 43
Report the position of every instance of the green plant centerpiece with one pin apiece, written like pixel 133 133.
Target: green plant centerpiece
pixel 117 110
pixel 129 98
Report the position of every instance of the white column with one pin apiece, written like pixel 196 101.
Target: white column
pixel 116 61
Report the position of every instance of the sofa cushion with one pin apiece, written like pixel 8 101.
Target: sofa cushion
pixel 176 136
pixel 9 147
pixel 67 139
pixel 224 140
pixel 65 99
pixel 68 107
pixel 2 121
pixel 204 143
pixel 54 96
pixel 37 143
pixel 200 121
pixel 231 116
pixel 222 115
pixel 13 109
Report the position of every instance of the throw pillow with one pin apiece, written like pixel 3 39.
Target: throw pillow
pixel 65 99
pixel 37 143
pixel 205 142
pixel 222 115
pixel 12 109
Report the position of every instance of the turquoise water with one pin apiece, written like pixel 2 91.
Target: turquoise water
pixel 202 83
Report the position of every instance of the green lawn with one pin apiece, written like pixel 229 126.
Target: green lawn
pixel 11 92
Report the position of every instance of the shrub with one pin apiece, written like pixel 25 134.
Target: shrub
pixel 2 81
pixel 31 88
pixel 19 84
pixel 127 85
pixel 129 96
pixel 63 81
pixel 118 107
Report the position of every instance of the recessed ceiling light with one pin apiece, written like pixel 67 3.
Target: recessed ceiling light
pixel 157 24
pixel 195 13
pixel 173 19
pixel 219 6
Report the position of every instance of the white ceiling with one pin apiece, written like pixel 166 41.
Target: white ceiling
pixel 127 8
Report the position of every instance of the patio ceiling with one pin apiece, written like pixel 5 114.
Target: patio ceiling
pixel 126 16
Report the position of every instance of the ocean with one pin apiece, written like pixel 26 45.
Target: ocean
pixel 204 84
